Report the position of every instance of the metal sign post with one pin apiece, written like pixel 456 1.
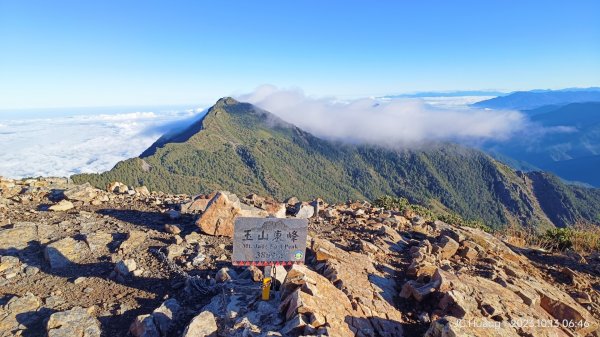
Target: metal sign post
pixel 269 242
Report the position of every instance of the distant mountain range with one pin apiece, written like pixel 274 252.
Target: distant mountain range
pixel 459 93
pixel 244 149
pixel 527 100
pixel 563 139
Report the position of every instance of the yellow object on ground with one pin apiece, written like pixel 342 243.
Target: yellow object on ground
pixel 266 289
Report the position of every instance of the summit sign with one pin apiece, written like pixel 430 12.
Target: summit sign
pixel 269 241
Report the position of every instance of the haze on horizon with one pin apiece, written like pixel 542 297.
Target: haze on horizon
pixel 112 53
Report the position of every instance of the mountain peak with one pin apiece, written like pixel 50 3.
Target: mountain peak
pixel 226 101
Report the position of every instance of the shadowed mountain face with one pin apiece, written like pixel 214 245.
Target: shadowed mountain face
pixel 567 142
pixel 244 149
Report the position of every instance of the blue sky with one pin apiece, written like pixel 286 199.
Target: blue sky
pixel 107 53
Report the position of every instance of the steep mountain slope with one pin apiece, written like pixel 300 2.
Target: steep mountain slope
pixel 524 100
pixel 244 149
pixel 565 140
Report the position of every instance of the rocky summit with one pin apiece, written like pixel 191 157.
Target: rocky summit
pixel 122 261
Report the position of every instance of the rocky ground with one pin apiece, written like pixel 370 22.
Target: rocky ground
pixel 78 261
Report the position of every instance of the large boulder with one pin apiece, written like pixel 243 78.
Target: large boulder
pixel 311 302
pixel 75 322
pixel 220 214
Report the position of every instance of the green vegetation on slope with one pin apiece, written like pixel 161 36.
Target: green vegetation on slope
pixel 241 148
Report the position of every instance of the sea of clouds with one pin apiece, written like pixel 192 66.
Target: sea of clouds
pixel 81 143
pixel 93 141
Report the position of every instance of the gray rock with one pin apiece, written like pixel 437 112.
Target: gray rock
pixel 143 326
pixel 18 311
pixel 74 322
pixel 125 267
pixel 225 274
pixel 173 214
pixel 280 273
pixel 98 240
pixel 195 206
pixel 85 193
pixel 251 211
pixel 165 314
pixel 62 253
pixel 304 210
pixel 203 325
pixel 174 251
pixel 198 259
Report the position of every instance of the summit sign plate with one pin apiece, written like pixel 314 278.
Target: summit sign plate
pixel 269 241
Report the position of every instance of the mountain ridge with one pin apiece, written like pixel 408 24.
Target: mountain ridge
pixel 565 142
pixel 527 100
pixel 242 148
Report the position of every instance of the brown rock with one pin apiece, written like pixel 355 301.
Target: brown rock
pixel 447 247
pixel 142 191
pixel 61 206
pixel 172 229
pixel 275 209
pixel 85 193
pixel 220 215
pixel 98 240
pixel 468 253
pixel 135 238
pixel 372 290
pixel 19 236
pixel 330 305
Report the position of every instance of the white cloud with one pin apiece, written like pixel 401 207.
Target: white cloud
pixel 397 122
pixel 64 146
